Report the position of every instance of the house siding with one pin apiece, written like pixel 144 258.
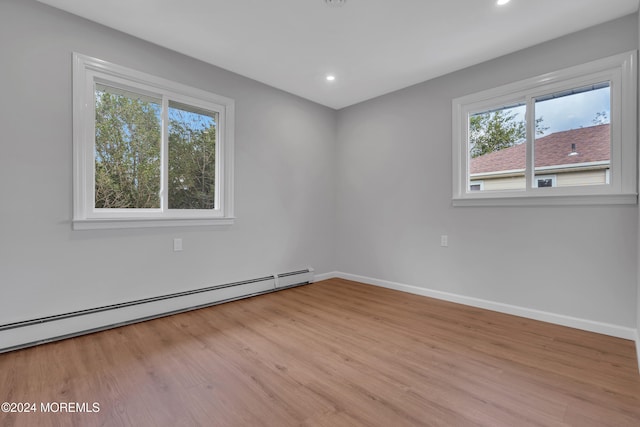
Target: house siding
pixel 597 177
pixel 565 179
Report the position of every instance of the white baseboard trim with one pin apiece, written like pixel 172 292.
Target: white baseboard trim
pixel 325 276
pixel 558 319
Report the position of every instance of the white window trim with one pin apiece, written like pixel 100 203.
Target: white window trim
pixel 621 71
pixel 86 72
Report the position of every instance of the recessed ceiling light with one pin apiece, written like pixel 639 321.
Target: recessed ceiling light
pixel 335 3
pixel 330 78
pixel 502 2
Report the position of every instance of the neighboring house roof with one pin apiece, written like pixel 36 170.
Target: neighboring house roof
pixel 592 145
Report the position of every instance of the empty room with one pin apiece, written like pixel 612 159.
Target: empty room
pixel 319 213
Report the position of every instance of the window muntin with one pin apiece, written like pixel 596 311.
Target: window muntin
pixel 615 77
pixel 148 151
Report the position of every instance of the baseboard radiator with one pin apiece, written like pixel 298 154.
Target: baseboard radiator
pixel 28 333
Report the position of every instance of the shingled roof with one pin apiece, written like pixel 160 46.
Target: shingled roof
pixel 591 143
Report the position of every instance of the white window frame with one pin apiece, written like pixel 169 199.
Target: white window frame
pixel 88 71
pixel 621 71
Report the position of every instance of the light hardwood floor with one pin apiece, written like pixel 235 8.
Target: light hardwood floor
pixel 334 353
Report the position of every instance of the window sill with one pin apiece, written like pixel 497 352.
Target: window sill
pixel 574 200
pixel 105 224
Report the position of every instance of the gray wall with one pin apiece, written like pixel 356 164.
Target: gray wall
pixel 365 190
pixel 284 178
pixel 394 201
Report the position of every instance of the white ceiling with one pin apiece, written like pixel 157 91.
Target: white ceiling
pixel 371 46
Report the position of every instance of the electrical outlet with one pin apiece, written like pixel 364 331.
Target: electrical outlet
pixel 177 245
pixel 444 240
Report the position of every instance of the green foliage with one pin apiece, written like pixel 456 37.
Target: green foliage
pixel 495 131
pixel 127 155
pixel 601 118
pixel 127 152
pixel 192 150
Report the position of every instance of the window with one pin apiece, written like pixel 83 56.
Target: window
pixel 542 181
pixel 147 151
pixel 567 137
pixel 476 186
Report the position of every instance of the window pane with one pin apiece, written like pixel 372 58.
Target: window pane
pixel 572 138
pixel 192 157
pixel 127 149
pixel 497 149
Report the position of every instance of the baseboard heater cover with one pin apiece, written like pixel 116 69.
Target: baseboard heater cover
pixel 31 332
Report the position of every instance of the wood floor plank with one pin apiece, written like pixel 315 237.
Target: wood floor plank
pixel 334 353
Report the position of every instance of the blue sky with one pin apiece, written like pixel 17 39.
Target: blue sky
pixel 574 111
pixel 570 112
